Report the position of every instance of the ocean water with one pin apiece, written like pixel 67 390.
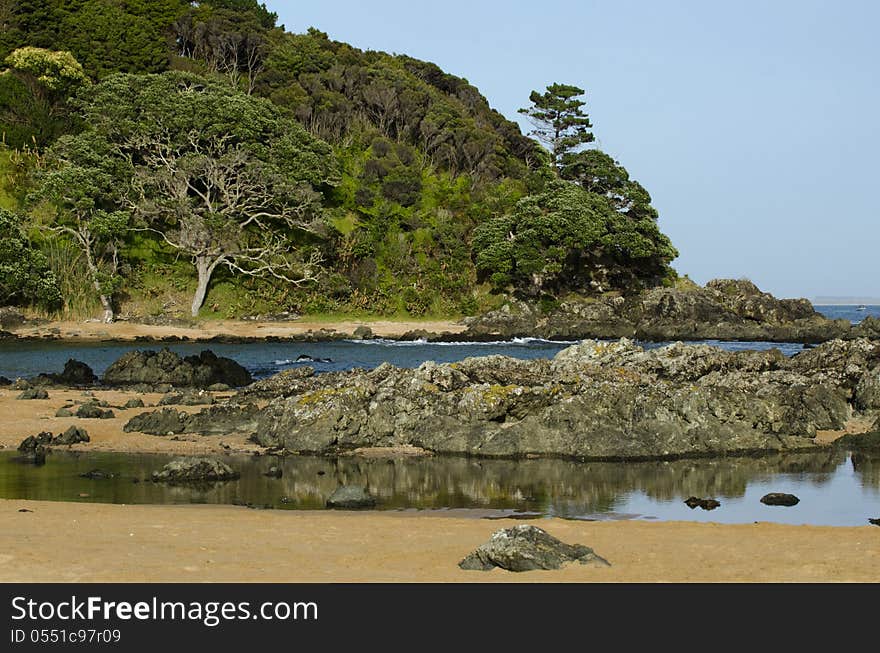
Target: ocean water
pixel 852 312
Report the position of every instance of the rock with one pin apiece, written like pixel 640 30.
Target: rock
pixel 64 411
pixel 350 497
pixel 218 387
pixel 34 393
pixel 166 367
pixel 98 475
pixel 187 399
pixel 93 411
pixel 274 472
pixel 195 470
pixel 134 403
pixel 705 504
pixel 780 499
pixel 34 448
pixel 21 384
pixel 876 522
pixel 4 381
pixel 73 435
pixel 75 373
pixel 11 317
pixel 527 548
pixel 24 510
pixel 216 420
pixel 362 333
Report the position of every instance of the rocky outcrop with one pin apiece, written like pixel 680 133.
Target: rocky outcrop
pixel 527 548
pixel 722 310
pixel 165 367
pixel 194 471
pixel 594 400
pixel 221 419
pixel 75 373
pixel 187 399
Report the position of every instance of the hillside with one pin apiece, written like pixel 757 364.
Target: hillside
pixel 288 173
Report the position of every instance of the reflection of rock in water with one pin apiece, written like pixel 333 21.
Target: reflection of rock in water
pixel 563 487
pixel 867 465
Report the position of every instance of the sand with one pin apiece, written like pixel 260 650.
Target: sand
pixel 80 542
pixel 97 331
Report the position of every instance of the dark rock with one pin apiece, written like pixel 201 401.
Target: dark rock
pixel 34 393
pixel 705 504
pixel 526 548
pixel 274 472
pixel 362 333
pixel 73 435
pixel 75 373
pixel 134 403
pixel 166 367
pixel 30 443
pixel 11 317
pixel 98 475
pixel 93 411
pixel 24 510
pixel 876 522
pixel 4 381
pixel 780 499
pixel 351 497
pixel 195 470
pixel 216 420
pixel 160 422
pixel 187 399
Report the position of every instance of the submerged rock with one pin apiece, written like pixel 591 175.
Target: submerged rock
pixel 351 497
pixel 98 475
pixel 705 504
pixel 527 548
pixel 780 499
pixel 166 367
pixel 274 472
pixel 195 470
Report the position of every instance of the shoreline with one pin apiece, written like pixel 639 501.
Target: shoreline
pixel 92 542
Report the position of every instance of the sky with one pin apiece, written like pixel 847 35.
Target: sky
pixel 754 125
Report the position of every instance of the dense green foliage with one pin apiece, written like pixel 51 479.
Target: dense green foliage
pixel 25 277
pixel 365 181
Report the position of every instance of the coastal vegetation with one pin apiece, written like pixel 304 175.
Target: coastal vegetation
pixel 197 159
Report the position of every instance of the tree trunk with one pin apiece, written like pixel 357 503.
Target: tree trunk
pixel 107 305
pixel 205 268
pixel 106 302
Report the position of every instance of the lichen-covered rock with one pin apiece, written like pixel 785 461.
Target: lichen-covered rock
pixel 219 419
pixel 527 548
pixel 73 435
pixel 92 410
pixel 165 367
pixel 194 471
pixel 134 403
pixel 351 497
pixel 187 399
pixel 158 422
pixel 34 393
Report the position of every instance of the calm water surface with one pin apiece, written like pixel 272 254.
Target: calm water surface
pixel 835 488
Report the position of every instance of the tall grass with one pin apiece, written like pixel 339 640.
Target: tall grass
pixel 77 292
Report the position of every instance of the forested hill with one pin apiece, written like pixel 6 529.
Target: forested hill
pixel 167 156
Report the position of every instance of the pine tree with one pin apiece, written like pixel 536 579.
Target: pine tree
pixel 559 120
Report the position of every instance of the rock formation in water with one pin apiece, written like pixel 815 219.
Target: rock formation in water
pixel 724 310
pixel 594 400
pixel 165 367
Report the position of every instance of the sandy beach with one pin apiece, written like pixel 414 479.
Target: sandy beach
pixel 97 331
pixel 79 542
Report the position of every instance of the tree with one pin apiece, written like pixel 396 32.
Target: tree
pixel 566 238
pixel 45 80
pixel 221 176
pixel 83 181
pixel 25 277
pixel 559 121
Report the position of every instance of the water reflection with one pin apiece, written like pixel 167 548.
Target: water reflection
pixel 547 487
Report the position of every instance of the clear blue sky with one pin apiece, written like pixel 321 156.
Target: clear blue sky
pixel 754 125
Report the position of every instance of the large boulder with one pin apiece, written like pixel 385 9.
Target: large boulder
pixel 194 471
pixel 527 548
pixel 165 367
pixel 75 373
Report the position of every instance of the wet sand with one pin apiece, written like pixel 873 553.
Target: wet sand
pixel 97 331
pixel 79 542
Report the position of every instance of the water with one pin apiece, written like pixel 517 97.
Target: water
pixel 835 488
pixel 849 312
pixel 262 359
